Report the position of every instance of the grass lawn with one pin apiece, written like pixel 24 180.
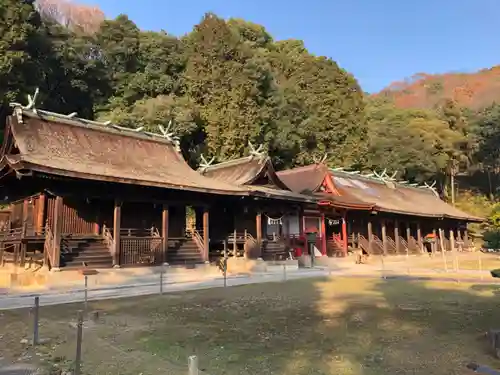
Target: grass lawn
pixel 323 326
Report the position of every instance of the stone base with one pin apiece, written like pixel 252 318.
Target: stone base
pixel 305 261
pixel 243 265
pixel 325 261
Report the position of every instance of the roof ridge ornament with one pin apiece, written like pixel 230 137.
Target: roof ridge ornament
pixel 31 106
pixel 322 160
pixel 166 133
pixel 204 163
pixel 256 151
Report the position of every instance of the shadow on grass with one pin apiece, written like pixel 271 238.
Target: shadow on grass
pixel 302 327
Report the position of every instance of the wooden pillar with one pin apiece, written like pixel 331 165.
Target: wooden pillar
pixel 117 218
pixel 24 228
pixel 287 230
pixel 384 236
pixel 436 239
pixel 370 236
pixel 452 240
pixel 235 244
pixel 40 213
pixel 164 232
pixel 57 220
pixel 396 235
pixel 323 234
pixel 258 226
pixel 408 232
pixel 419 237
pixel 206 234
pixel 344 233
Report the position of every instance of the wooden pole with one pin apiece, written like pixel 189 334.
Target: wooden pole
pixel 235 244
pixel 408 233
pixel 58 208
pixel 36 314
pixel 419 238
pixel 370 237
pixel 384 236
pixel 41 213
pixel 396 235
pixel 164 232
pixel 323 234
pixel 79 337
pixel 206 234
pixel 117 217
pixel 441 241
pixel 453 250
pixel 344 233
pixel 258 226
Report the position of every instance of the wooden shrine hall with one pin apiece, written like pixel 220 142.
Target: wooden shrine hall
pixel 329 217
pixel 376 213
pixel 89 194
pixel 280 231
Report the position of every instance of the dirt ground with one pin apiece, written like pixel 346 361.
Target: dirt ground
pixel 321 326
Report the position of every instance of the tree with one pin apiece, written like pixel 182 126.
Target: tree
pixel 232 85
pixel 19 49
pixel 414 142
pixel 322 106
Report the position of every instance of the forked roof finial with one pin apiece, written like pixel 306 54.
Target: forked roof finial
pixel 256 151
pixel 204 163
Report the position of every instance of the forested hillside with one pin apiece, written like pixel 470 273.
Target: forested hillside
pixel 472 90
pixel 228 82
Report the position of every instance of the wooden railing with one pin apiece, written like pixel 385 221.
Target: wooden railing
pixel 109 241
pixel 49 247
pixel 377 246
pixel 141 251
pixel 391 245
pixel 198 238
pixel 403 248
pixel 413 246
pixel 364 244
pixel 138 232
pixel 335 246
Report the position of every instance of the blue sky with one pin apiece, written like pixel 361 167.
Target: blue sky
pixel 379 41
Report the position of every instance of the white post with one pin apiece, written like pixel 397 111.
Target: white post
pixel 193 365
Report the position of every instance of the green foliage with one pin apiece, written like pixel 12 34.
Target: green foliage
pixel 417 143
pixel 227 83
pixel 19 42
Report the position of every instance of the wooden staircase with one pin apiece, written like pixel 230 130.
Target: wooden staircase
pixel 334 248
pixel 183 251
pixel 90 252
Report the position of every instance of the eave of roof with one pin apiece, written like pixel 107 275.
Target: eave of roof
pixel 381 204
pixel 68 146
